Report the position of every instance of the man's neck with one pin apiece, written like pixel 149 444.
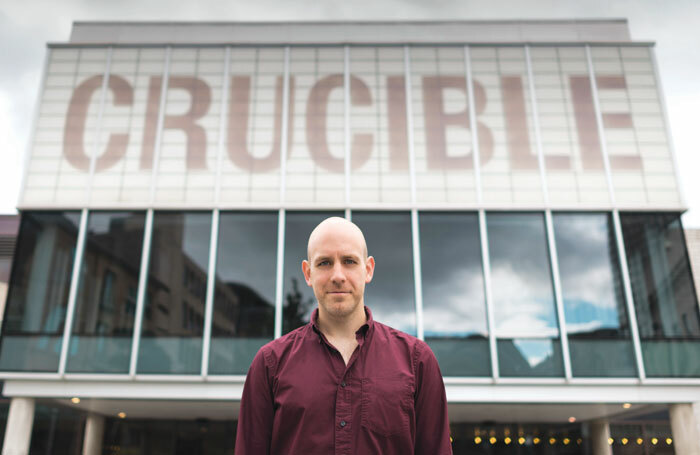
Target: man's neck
pixel 342 328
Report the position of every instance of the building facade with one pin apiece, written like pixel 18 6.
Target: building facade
pixel 515 181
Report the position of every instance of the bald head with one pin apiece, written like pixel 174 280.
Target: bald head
pixel 335 227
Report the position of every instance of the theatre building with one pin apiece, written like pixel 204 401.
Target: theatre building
pixel 515 181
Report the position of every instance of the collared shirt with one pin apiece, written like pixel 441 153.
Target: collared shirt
pixel 301 398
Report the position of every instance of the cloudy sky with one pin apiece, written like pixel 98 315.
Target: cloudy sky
pixel 25 27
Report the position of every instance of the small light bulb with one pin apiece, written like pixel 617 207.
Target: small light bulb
pixel 610 441
pixel 627 405
pixel 521 440
pixel 552 441
pixel 572 419
pixel 507 440
pixel 624 441
pixel 477 440
pixel 567 441
pixel 122 415
pixel 75 400
pixel 492 440
pixel 654 441
pixel 669 441
pixel 536 441
pixel 640 441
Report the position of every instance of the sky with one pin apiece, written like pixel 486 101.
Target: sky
pixel 26 26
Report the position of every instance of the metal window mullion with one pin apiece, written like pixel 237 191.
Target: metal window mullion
pixel 599 125
pixel 222 127
pixel 348 144
pixel 486 265
pixel 98 128
pixel 537 128
pixel 417 278
pixel 667 125
pixel 211 281
pixel 629 297
pixel 554 264
pixel 473 125
pixel 73 292
pixel 141 293
pixel 285 127
pixel 159 127
pixel 409 123
pixel 280 271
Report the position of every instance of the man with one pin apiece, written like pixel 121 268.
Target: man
pixel 344 383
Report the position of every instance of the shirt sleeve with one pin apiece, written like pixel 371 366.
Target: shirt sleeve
pixel 257 411
pixel 432 423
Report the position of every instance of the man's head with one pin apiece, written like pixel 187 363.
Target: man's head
pixel 338 267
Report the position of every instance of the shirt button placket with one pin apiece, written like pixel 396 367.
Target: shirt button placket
pixel 343 436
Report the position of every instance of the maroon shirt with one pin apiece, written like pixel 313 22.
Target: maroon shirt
pixel 300 398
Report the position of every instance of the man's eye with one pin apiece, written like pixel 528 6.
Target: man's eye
pixel 322 263
pixel 350 261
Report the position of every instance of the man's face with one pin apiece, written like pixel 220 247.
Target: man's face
pixel 338 267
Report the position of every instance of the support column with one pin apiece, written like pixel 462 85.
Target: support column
pixel 94 430
pixel 18 433
pixel 684 429
pixel 600 433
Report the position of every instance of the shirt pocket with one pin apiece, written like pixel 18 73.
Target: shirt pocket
pixel 385 405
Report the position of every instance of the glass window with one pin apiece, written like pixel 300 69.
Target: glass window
pixel 454 309
pixel 173 318
pixel 244 303
pixel 38 295
pixel 298 300
pixel 390 295
pixel 106 304
pixel 57 430
pixel 592 291
pixel 664 295
pixel 523 298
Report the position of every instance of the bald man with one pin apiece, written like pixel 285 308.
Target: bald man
pixel 343 383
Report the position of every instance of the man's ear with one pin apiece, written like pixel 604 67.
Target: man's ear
pixel 306 269
pixel 369 267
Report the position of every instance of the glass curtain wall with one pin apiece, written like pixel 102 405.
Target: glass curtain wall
pixel 173 315
pixel 597 323
pixel 391 293
pixel 298 300
pixel 244 297
pixel 105 307
pixel 38 296
pixel 523 296
pixel 454 309
pixel 664 294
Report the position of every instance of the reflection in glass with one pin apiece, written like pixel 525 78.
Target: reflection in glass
pixel 523 298
pixel 173 317
pixel 454 310
pixel 530 357
pixel 298 299
pixel 57 430
pixel 390 295
pixel 38 295
pixel 664 294
pixel 594 303
pixel 106 304
pixel 244 303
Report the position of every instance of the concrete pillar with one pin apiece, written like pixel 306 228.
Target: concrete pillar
pixel 684 429
pixel 600 433
pixel 94 430
pixel 18 433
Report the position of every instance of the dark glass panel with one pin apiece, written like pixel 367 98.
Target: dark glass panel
pixel 592 291
pixel 390 295
pixel 173 318
pixel 298 299
pixel 664 294
pixel 530 357
pixel 523 297
pixel 454 310
pixel 244 306
pixel 57 431
pixel 106 304
pixel 169 437
pixel 38 296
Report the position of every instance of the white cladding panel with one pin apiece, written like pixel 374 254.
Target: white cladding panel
pixel 176 151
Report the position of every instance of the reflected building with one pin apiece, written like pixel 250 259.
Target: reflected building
pixel 514 180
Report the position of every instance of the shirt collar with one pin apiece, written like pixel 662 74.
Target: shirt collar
pixel 361 333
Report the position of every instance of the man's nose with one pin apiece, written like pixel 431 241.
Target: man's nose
pixel 338 273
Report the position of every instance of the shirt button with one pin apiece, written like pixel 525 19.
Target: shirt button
pixel 343 423
pixel 342 384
